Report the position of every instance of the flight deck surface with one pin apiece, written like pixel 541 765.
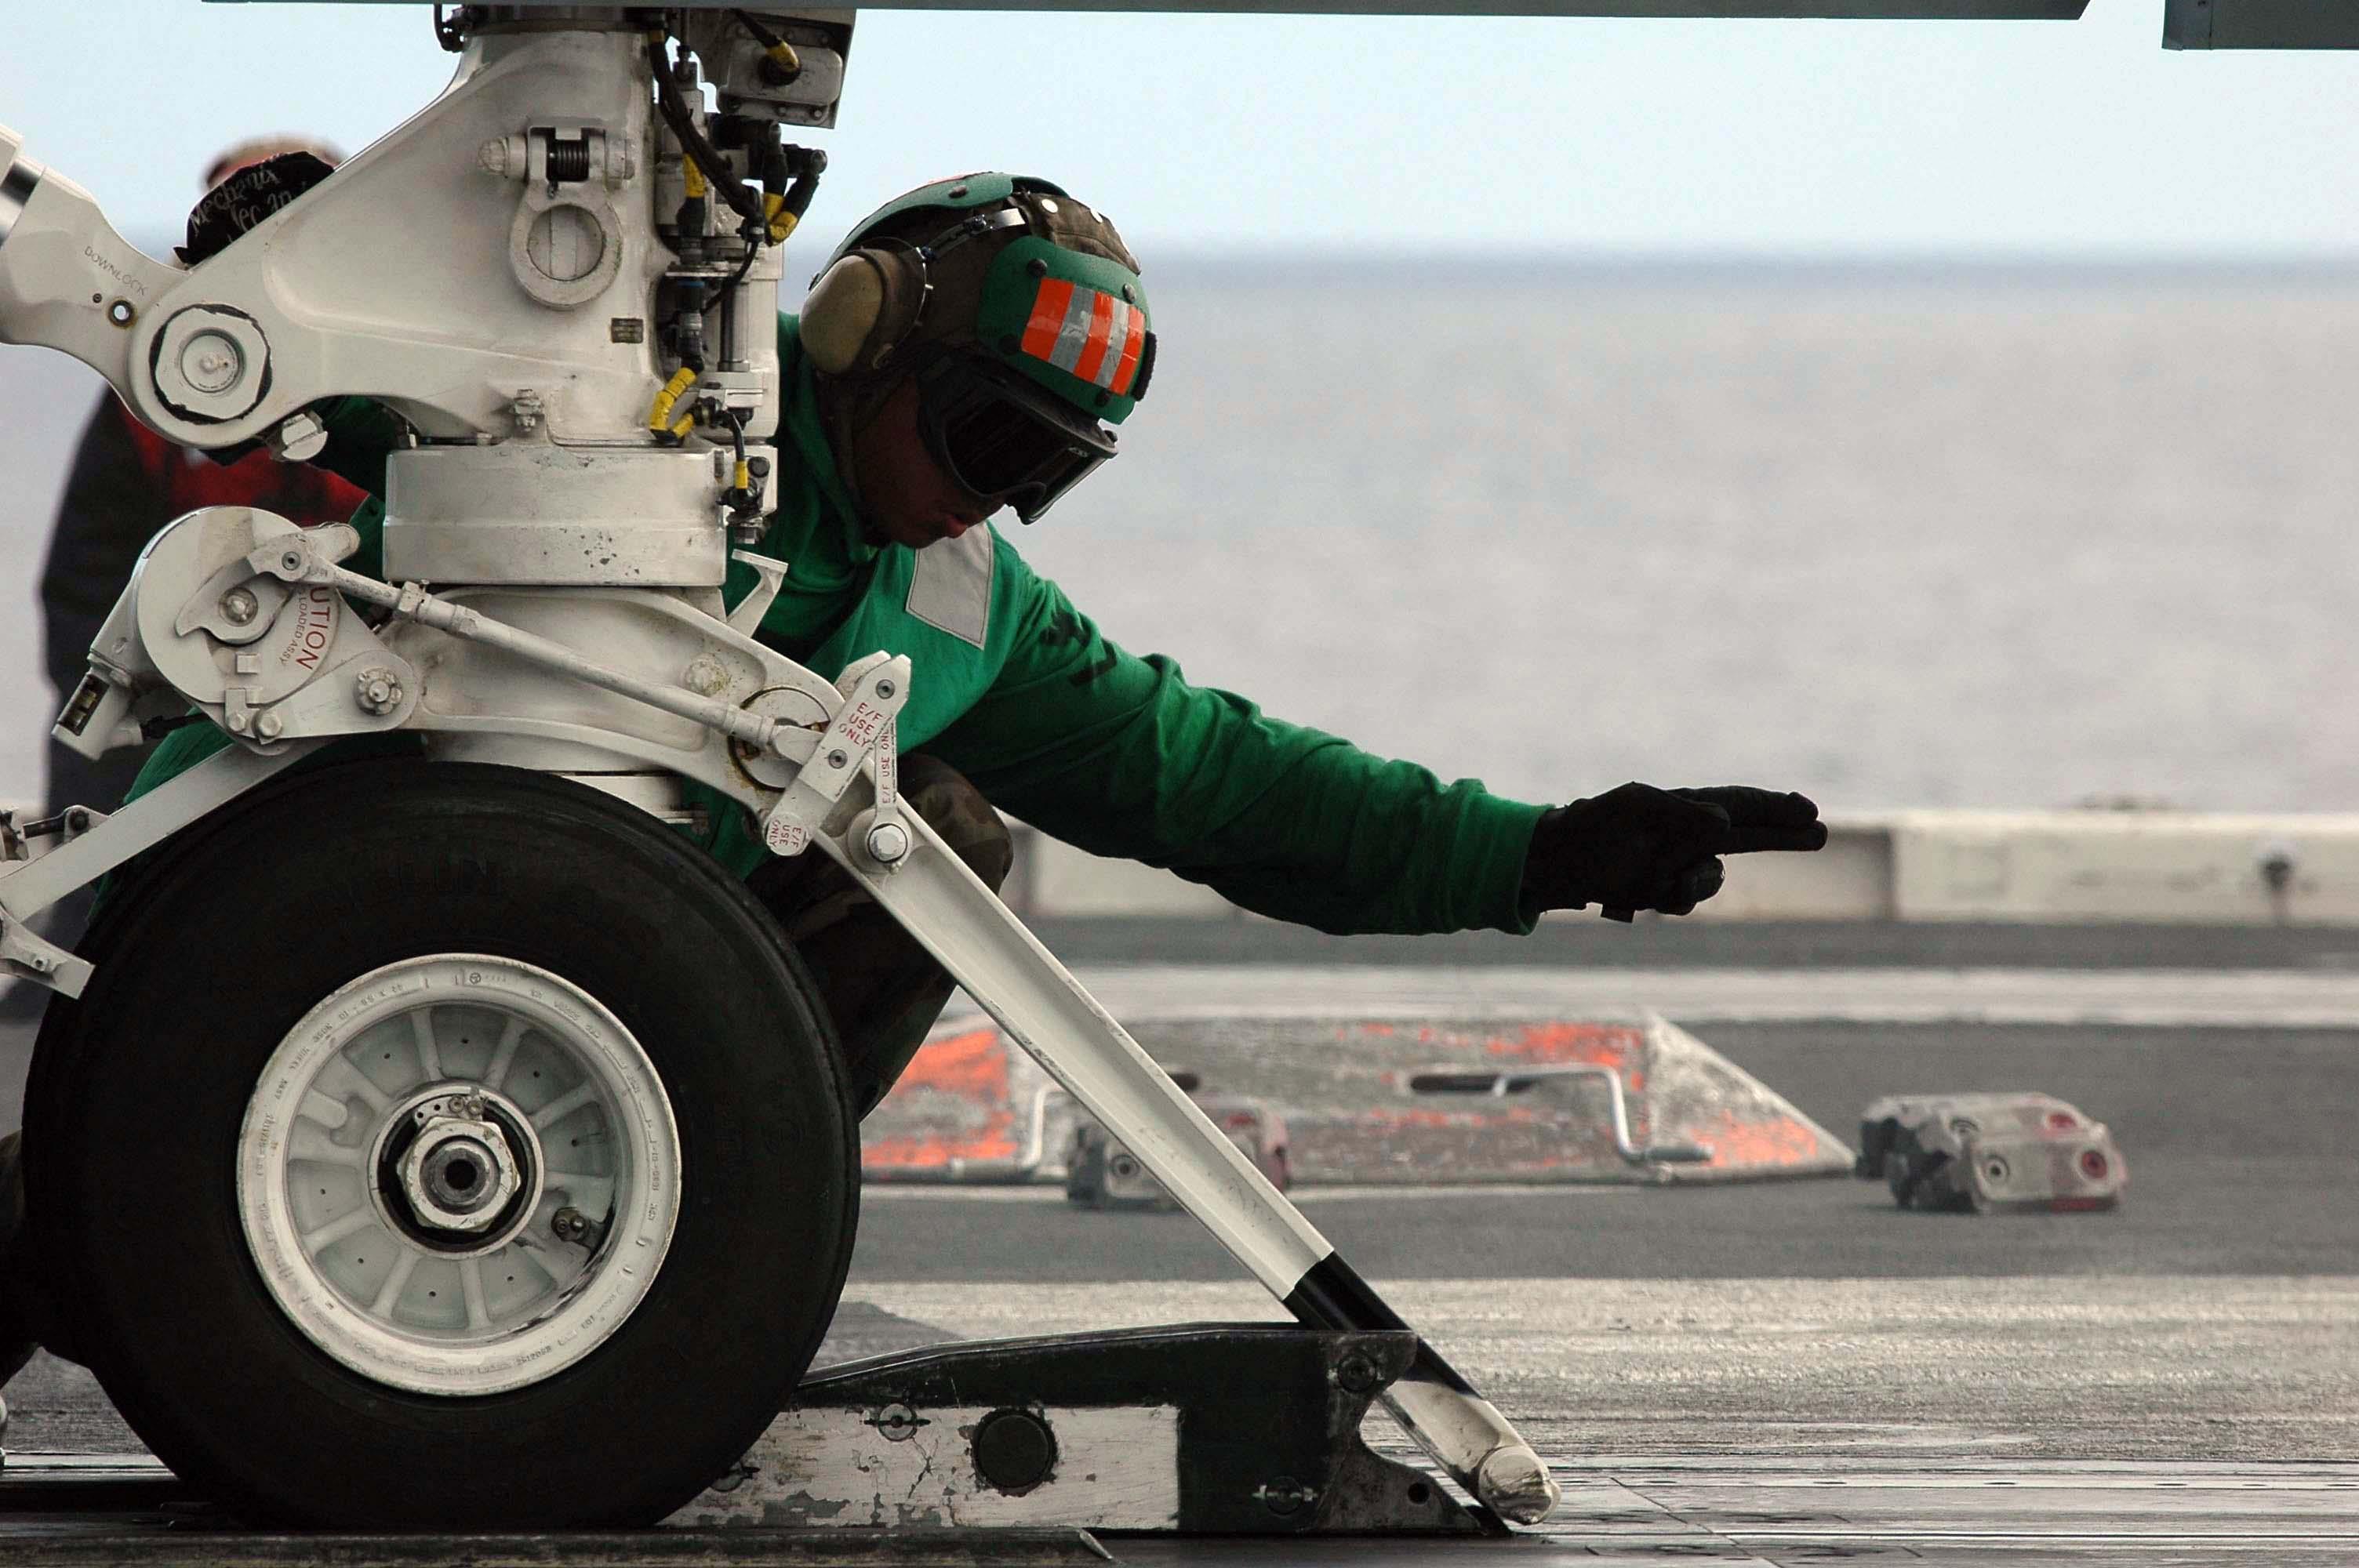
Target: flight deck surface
pixel 1782 1373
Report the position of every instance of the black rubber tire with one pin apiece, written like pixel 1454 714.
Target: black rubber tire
pixel 213 951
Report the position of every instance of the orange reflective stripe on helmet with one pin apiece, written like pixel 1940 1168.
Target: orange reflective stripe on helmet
pixel 1134 343
pixel 1049 309
pixel 1094 348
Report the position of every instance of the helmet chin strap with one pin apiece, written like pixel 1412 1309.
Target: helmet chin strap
pixel 848 403
pixel 843 410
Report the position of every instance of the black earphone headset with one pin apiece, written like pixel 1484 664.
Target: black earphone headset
pixel 872 300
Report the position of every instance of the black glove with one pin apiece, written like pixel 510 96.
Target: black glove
pixel 1642 848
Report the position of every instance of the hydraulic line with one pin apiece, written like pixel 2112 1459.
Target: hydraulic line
pixel 659 419
pixel 780 63
pixel 698 149
pixel 743 476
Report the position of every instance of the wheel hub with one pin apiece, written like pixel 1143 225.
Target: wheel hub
pixel 458 1166
pixel 459 1174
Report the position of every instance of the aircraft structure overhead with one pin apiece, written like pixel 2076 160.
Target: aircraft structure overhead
pixel 2187 24
pixel 1693 10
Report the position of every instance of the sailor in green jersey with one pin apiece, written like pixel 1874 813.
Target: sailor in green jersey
pixel 964 353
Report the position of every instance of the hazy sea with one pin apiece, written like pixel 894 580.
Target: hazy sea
pixel 1893 536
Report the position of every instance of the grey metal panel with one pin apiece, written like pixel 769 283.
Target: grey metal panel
pixel 1848 10
pixel 2261 25
pixel 1854 10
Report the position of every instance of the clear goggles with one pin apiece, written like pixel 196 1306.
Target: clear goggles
pixel 1004 438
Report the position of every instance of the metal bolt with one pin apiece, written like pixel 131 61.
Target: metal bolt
pixel 570 1224
pixel 837 759
pixel 377 690
pixel 300 437
pixel 884 688
pixel 120 313
pixel 889 843
pixel 1285 1495
pixel 270 726
pixel 211 362
pixel 239 607
pixel 1356 1373
pixel 896 1424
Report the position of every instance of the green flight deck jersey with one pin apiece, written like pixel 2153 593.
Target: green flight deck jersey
pixel 1055 724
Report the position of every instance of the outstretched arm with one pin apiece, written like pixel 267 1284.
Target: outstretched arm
pixel 1122 756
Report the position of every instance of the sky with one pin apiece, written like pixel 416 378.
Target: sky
pixel 1390 135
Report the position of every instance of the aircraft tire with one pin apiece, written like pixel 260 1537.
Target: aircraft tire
pixel 284 1085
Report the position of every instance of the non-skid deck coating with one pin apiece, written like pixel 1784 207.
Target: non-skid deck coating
pixel 1616 1512
pixel 1787 1374
pixel 2129 1420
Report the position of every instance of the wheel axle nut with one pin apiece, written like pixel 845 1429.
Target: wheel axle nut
pixel 377 690
pixel 459 1172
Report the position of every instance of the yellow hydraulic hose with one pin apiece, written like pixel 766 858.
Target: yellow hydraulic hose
pixel 659 419
pixel 782 222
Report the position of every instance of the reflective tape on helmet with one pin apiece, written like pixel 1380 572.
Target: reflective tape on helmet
pixel 1134 343
pixel 1087 333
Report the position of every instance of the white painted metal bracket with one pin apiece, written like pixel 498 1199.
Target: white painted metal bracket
pixel 28 887
pixel 770 575
pixel 861 738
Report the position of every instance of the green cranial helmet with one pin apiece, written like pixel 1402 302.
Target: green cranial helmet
pixel 1020 315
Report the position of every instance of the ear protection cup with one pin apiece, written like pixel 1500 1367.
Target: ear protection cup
pixel 863 307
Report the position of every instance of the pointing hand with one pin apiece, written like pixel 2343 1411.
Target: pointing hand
pixel 1642 848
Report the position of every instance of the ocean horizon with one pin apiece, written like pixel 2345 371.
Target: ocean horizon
pixel 1901 531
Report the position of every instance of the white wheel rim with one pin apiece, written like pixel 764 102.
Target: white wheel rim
pixel 418 1059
